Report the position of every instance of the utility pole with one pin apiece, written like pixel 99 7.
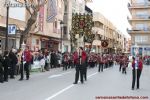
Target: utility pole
pixel 6 35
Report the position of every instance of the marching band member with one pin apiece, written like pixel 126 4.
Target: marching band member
pixel 81 64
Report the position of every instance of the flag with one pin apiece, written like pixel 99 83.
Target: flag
pixel 41 18
pixel 51 11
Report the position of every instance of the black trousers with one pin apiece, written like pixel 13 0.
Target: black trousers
pixel 79 70
pixel 46 67
pixel 100 68
pixel 106 65
pixel 26 68
pixel 124 70
pixel 138 77
pixel 133 77
pixel 1 75
pixel 120 67
pixel 85 72
pixel 12 70
pixel 65 66
pixel 6 72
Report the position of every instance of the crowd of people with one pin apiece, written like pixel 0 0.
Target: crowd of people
pixel 17 62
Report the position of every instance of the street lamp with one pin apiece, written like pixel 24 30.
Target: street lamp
pixel 61 25
pixel 23 56
pixel 6 35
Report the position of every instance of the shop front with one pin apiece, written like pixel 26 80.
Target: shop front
pixel 40 42
pixel 51 44
pixel 142 50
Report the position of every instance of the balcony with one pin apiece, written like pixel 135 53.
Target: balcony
pixel 65 18
pixel 139 30
pixel 139 5
pixel 98 30
pixel 139 17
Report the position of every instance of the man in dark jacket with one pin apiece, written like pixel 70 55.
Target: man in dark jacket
pixel 54 60
pixel 6 64
pixel 1 70
pixel 13 62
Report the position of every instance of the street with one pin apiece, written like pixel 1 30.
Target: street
pixel 58 85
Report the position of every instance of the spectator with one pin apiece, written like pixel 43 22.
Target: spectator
pixel 6 64
pixel 13 62
pixel 1 69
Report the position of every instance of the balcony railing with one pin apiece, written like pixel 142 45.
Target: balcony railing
pixel 144 29
pixel 140 17
pixel 146 4
pixel 141 28
pixel 98 30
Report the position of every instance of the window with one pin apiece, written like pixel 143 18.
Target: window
pixel 65 8
pixel 143 14
pixel 140 1
pixel 142 26
pixel 55 26
pixel 65 48
pixel 141 39
pixel 37 41
pixel 65 30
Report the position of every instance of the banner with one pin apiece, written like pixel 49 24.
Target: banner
pixel 41 18
pixel 51 11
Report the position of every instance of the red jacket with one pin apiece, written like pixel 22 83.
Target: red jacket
pixel 75 57
pixel 140 65
pixel 27 56
pixel 84 56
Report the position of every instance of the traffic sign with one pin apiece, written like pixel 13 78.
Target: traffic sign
pixel 12 29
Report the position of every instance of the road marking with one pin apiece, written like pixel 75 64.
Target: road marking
pixel 67 88
pixel 66 73
pixel 53 76
pixel 63 90
pixel 92 75
pixel 58 75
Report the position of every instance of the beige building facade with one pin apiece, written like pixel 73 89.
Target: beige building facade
pixel 47 35
pixel 140 22
pixel 13 39
pixel 105 30
pixel 70 7
pixel 51 36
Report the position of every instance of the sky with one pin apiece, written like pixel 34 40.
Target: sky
pixel 114 10
pixel 17 12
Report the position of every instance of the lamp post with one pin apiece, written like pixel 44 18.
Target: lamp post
pixel 61 26
pixel 6 35
pixel 23 49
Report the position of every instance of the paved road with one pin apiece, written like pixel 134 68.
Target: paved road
pixel 57 85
